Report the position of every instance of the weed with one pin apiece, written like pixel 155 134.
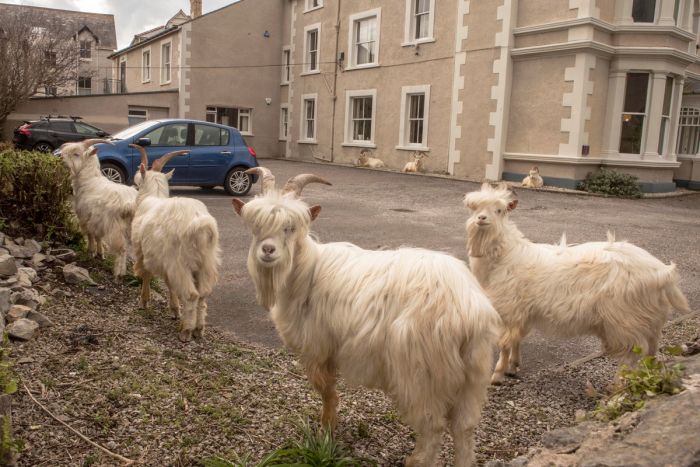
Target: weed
pixel 362 429
pixel 649 379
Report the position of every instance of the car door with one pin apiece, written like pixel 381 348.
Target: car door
pixel 166 138
pixel 62 132
pixel 210 154
pixel 87 131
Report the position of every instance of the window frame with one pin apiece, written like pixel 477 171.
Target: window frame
pixel 375 13
pixel 284 122
pixel 129 115
pixel 657 13
pixel 350 95
pixel 688 130
pixel 83 79
pixel 409 28
pixel 169 63
pixel 213 110
pixel 307 52
pixel 308 5
pixel 645 114
pixel 303 138
pixel 286 65
pixel 404 125
pixel 87 51
pixel 146 70
pixel 665 121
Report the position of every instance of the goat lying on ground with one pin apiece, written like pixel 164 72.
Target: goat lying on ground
pixel 177 239
pixel 416 165
pixel 613 290
pixel 413 323
pixel 533 180
pixel 104 209
pixel 365 160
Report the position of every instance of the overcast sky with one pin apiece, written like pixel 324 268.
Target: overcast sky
pixel 130 16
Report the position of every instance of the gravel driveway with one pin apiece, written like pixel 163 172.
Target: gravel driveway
pixel 375 209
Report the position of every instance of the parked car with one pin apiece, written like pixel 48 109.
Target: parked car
pixel 49 133
pixel 218 154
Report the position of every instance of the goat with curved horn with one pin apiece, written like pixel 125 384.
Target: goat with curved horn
pixel 268 180
pixel 89 142
pixel 296 184
pixel 159 163
pixel 142 151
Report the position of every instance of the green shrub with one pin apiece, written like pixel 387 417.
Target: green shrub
pixel 649 379
pixel 35 194
pixel 609 182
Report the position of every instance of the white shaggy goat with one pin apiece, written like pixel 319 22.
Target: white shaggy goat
pixel 104 209
pixel 366 160
pixel 416 165
pixel 533 180
pixel 413 323
pixel 613 290
pixel 178 240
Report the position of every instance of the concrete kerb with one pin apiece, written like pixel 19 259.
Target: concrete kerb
pixel 565 191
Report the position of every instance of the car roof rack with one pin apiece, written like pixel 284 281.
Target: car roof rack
pixel 71 117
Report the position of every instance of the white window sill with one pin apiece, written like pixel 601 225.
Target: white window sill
pixel 313 9
pixel 284 83
pixel 359 144
pixel 85 59
pixel 146 81
pixel 282 139
pixel 425 40
pixel 307 141
pixel 245 133
pixel 163 83
pixel 413 148
pixel 312 72
pixel 362 67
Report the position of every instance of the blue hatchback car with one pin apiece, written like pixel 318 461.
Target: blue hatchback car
pixel 218 154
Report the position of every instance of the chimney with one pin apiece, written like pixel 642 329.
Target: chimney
pixel 195 8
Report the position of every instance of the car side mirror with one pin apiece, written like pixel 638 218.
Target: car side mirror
pixel 102 134
pixel 144 141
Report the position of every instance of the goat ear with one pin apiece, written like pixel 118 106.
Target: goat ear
pixel 237 205
pixel 512 205
pixel 142 169
pixel 314 211
pixel 169 175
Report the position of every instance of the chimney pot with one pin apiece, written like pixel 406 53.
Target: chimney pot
pixel 195 8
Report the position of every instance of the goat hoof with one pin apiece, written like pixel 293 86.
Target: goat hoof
pixel 497 380
pixel 512 374
pixel 185 335
pixel 198 333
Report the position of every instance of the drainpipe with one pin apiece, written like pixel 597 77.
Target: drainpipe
pixel 336 65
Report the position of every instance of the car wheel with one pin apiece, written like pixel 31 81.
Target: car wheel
pixel 43 147
pixel 113 173
pixel 238 182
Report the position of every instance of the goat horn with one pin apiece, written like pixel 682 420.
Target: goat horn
pixel 159 163
pixel 268 180
pixel 89 142
pixel 296 184
pixel 144 154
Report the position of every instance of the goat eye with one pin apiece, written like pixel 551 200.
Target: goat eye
pixel 498 211
pixel 289 230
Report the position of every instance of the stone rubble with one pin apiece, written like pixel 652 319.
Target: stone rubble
pixel 22 261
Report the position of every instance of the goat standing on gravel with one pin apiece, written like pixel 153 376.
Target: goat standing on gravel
pixel 413 323
pixel 104 209
pixel 613 290
pixel 177 239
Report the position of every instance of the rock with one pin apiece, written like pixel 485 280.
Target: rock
pixel 5 295
pixel 2 238
pixel 64 254
pixel 19 241
pixel 9 282
pixel 40 319
pixel 22 329
pixel 38 259
pixel 4 251
pixel 19 251
pixel 74 274
pixel 29 273
pixel 32 246
pixel 7 266
pixel 17 312
pixel 25 360
pixel 27 297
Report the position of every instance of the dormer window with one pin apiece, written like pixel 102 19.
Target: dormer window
pixel 86 49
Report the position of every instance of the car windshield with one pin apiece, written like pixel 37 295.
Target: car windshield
pixel 132 131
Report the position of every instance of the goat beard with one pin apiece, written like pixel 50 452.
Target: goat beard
pixel 481 240
pixel 268 280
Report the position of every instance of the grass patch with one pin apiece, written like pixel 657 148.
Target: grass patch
pixel 649 379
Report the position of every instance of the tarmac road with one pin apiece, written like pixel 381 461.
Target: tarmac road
pixel 376 209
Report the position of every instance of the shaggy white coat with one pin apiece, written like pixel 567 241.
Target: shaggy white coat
pixel 613 290
pixel 411 322
pixel 366 161
pixel 416 165
pixel 178 240
pixel 104 209
pixel 533 180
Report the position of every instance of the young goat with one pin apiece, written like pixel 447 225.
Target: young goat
pixel 533 180
pixel 365 160
pixel 416 165
pixel 613 290
pixel 104 209
pixel 177 239
pixel 413 323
